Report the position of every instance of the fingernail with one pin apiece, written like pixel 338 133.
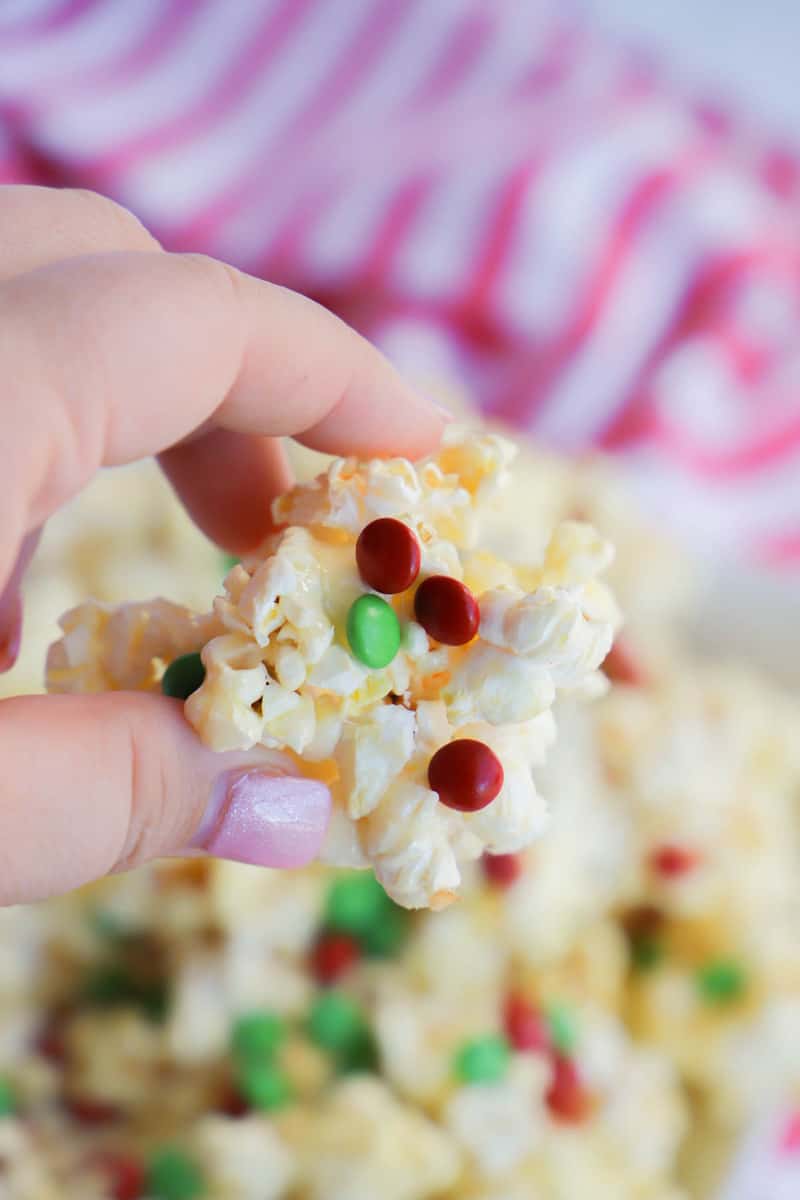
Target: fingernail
pixel 268 820
pixel 10 634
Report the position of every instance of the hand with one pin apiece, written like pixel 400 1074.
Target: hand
pixel 111 350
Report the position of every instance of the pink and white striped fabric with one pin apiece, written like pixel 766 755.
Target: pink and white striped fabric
pixel 486 187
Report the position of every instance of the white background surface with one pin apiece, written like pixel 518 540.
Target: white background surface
pixel 747 51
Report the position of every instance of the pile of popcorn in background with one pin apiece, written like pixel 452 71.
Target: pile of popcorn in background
pixel 604 1015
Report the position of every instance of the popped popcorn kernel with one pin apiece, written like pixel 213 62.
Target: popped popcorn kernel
pixel 305 657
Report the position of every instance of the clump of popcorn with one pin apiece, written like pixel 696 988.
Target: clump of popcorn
pixel 372 635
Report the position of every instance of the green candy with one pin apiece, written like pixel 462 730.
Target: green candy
pixel 173 1176
pixel 721 981
pixel 562 1026
pixel 646 953
pixel 229 561
pixel 112 985
pixel 257 1035
pixel 264 1086
pixel 109 985
pixel 387 935
pixel 483 1060
pixel 336 1023
pixel 8 1100
pixel 362 1055
pixel 183 676
pixel 373 631
pixel 356 904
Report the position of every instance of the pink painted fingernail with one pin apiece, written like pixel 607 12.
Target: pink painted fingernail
pixel 268 820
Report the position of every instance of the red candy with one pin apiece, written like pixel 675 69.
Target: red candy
pixel 91 1112
pixel 466 775
pixel 672 861
pixel 51 1043
pixel 447 610
pixel 567 1098
pixel 125 1176
pixel 333 956
pixel 232 1103
pixel 388 556
pixel 524 1025
pixel 502 869
pixel 622 666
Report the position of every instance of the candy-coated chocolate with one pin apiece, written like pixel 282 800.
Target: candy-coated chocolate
pixel 388 555
pixel 88 1111
pixel 483 1060
pixel 264 1086
pixel 8 1100
pixel 447 610
pixel 525 1025
pixel 257 1035
pixel 502 869
pixel 333 956
pixel 722 981
pixel 673 861
pixel 387 935
pixel 373 631
pixel 336 1022
pixel 123 1174
pixel 646 952
pixel 174 1176
pixel 621 665
pixel 356 903
pixel 183 676
pixel 567 1098
pixel 466 775
pixel 563 1027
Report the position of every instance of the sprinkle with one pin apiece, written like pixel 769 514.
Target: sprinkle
pixel 173 1176
pixel 524 1025
pixel 502 870
pixel 333 956
pixel 721 981
pixel 373 631
pixel 229 561
pixel 183 676
pixel 466 775
pixel 257 1035
pixel 483 1060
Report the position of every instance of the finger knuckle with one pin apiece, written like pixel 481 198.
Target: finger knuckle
pixel 110 222
pixel 149 789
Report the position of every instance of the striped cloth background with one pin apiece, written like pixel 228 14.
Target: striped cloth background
pixel 487 188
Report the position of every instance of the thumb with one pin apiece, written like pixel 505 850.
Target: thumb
pixel 93 784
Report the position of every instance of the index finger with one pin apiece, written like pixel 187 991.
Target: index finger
pixel 112 357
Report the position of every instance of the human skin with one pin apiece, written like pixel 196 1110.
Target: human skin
pixel 111 350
